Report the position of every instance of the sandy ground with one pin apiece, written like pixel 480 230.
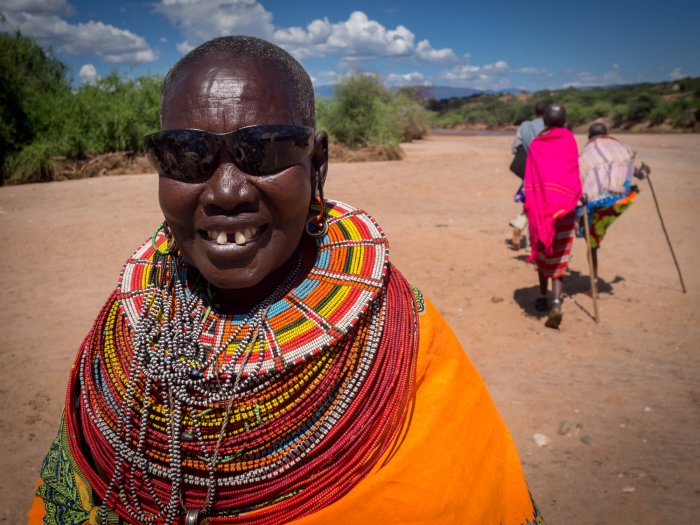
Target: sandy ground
pixel 628 388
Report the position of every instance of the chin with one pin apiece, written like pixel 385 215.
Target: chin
pixel 232 279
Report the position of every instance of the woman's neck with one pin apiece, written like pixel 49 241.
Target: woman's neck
pixel 244 300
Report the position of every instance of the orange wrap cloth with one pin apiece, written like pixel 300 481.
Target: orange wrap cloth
pixel 454 461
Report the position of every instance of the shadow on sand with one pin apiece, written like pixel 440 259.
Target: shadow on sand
pixel 576 284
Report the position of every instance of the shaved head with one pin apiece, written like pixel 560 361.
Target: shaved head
pixel 597 129
pixel 555 116
pixel 539 108
pixel 253 53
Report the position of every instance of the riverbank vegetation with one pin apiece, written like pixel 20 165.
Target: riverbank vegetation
pixel 52 131
pixel 661 107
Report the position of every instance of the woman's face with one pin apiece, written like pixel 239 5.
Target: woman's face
pixel 259 219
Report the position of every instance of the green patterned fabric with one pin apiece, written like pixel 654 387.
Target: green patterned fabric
pixel 420 300
pixel 66 494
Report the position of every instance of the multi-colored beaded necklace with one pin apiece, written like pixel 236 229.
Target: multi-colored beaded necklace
pixel 261 418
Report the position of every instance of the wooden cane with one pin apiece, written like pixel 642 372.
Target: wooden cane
pixel 594 288
pixel 663 226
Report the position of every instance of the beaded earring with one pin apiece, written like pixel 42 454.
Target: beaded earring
pixel 170 246
pixel 164 261
pixel 316 223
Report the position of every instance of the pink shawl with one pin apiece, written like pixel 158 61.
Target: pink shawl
pixel 552 185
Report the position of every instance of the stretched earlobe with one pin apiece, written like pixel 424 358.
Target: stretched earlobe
pixel 317 222
pixel 319 159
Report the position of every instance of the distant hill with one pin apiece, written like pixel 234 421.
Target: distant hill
pixel 428 92
pixel 659 107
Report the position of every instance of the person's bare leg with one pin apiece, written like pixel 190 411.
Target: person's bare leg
pixel 594 258
pixel 556 288
pixel 555 314
pixel 543 283
pixel 541 304
pixel 517 238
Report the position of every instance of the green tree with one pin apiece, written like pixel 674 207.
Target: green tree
pixel 32 83
pixel 358 115
pixel 41 118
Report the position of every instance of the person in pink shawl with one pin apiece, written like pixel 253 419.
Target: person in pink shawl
pixel 552 192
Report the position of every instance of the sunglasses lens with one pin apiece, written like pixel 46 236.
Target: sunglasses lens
pixel 186 155
pixel 264 150
pixel 190 155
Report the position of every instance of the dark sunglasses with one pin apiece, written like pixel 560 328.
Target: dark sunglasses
pixel 191 155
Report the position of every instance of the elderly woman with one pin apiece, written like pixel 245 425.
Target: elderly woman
pixel 552 191
pixel 607 168
pixel 260 360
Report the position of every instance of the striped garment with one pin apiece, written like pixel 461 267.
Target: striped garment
pixel 606 164
pixel 555 265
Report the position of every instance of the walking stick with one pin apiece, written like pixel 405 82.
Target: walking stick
pixel 594 288
pixel 646 171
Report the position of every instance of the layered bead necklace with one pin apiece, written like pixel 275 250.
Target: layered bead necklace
pixel 261 418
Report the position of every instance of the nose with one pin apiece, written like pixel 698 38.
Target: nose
pixel 228 190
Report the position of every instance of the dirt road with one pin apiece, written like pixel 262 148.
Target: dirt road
pixel 625 394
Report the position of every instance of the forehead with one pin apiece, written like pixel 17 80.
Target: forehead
pixel 220 96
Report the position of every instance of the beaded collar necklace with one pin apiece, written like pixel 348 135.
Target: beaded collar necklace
pixel 348 272
pixel 192 409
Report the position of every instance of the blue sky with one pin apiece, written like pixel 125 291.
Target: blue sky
pixel 496 44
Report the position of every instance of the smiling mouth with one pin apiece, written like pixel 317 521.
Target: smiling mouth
pixel 239 237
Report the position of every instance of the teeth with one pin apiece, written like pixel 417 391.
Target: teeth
pixel 240 237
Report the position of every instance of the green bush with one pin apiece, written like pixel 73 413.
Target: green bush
pixel 41 117
pixel 413 119
pixel 31 83
pixel 366 113
pixel 659 114
pixel 31 164
pixel 357 115
pixel 681 114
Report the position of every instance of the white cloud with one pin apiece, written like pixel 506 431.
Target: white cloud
pixel 487 76
pixel 405 79
pixel 37 7
pixel 95 38
pixel 425 52
pixel 358 37
pixel 613 76
pixel 185 47
pixel 305 43
pixel 677 74
pixel 88 74
pixel 588 79
pixel 530 70
pixel 202 21
pixel 355 39
pixel 498 67
pixel 322 78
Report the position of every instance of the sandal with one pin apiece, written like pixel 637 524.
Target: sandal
pixel 541 304
pixel 555 315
